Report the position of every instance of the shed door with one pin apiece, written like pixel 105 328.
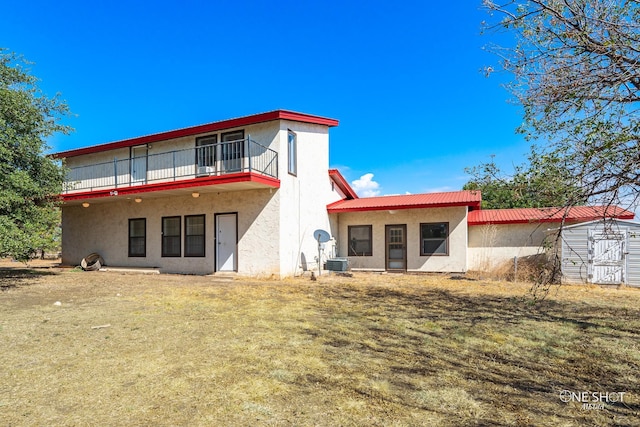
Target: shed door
pixel 607 256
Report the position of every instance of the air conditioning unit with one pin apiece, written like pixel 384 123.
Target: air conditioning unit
pixel 337 264
pixel 206 170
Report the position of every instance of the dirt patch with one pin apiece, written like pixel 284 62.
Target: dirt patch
pixel 365 350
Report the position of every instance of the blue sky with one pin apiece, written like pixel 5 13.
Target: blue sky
pixel 404 78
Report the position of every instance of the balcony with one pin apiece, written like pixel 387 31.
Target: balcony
pixel 206 165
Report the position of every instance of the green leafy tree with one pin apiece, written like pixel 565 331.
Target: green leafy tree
pixel 29 179
pixel 544 181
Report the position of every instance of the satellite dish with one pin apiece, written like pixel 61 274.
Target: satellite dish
pixel 321 236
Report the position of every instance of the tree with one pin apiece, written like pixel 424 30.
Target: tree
pixel 576 72
pixel 29 180
pixel 576 69
pixel 543 182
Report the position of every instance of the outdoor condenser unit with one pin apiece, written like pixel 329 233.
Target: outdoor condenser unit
pixel 206 170
pixel 337 264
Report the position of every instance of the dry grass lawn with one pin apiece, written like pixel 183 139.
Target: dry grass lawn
pixel 371 350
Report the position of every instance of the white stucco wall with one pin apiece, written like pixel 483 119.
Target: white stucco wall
pixel 456 261
pixel 304 197
pixel 103 228
pixel 494 244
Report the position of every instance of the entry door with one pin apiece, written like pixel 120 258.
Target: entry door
pixel 396 243
pixel 232 151
pixel 139 165
pixel 226 242
pixel 606 256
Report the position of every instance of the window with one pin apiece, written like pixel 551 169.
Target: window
pixel 194 235
pixel 360 240
pixel 171 236
pixel 434 238
pixel 292 150
pixel 138 237
pixel 205 148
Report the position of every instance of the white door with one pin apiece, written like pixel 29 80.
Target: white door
pixel 607 256
pixel 226 242
pixel 139 165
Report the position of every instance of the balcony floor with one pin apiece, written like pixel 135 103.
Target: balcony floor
pixel 208 184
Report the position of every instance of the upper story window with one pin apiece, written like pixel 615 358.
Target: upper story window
pixel 434 238
pixel 292 151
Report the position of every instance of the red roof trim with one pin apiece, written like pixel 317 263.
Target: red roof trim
pixel 201 129
pixel 174 185
pixel 342 184
pixel 332 209
pixel 546 215
pixel 471 199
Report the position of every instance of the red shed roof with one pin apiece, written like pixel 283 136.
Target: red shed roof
pixel 200 129
pixel 528 215
pixel 409 201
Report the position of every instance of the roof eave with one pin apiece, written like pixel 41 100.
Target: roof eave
pixel 332 208
pixel 200 129
pixel 342 184
pixel 549 220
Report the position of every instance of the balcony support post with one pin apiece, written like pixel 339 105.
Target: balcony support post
pixel 248 151
pixel 115 171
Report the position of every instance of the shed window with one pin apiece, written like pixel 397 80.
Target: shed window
pixel 171 236
pixel 434 238
pixel 360 241
pixel 138 237
pixel 194 236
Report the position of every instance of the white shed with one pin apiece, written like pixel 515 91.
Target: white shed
pixel 602 252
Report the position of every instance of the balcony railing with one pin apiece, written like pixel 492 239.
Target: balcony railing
pixel 223 158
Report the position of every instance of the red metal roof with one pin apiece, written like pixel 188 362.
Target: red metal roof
pixel 528 215
pixel 342 184
pixel 409 201
pixel 200 129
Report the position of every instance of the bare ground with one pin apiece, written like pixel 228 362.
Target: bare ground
pixel 368 350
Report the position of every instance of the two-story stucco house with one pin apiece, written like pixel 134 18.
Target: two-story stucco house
pixel 241 195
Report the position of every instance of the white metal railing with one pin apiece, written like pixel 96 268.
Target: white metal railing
pixel 244 155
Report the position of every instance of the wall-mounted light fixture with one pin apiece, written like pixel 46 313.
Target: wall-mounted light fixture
pixel 195 194
pixel 85 205
pixel 138 200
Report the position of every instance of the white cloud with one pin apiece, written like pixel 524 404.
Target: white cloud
pixel 366 186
